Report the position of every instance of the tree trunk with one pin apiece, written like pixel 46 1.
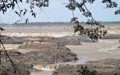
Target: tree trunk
pixel 0 56
pixel 0 53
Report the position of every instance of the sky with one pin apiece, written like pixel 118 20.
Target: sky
pixel 57 12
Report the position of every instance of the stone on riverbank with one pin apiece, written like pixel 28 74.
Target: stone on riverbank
pixel 104 67
pixel 68 40
pixel 6 67
pixel 47 52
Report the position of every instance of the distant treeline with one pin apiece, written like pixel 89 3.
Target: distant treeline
pixel 45 23
pixel 63 23
pixel 110 22
pixel 2 24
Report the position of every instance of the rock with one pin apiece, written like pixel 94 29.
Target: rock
pixel 48 44
pixel 12 40
pixel 71 42
pixel 47 52
pixel 80 38
pixel 111 36
pixel 104 67
pixel 68 40
pixel 42 45
pixel 16 57
pixel 118 46
pixel 30 45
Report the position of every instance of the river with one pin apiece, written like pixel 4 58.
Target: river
pixel 105 48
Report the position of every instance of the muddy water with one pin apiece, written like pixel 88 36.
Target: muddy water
pixel 89 52
pixel 100 50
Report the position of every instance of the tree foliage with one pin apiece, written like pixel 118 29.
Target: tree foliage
pixel 85 71
pixel 93 32
pixel 7 4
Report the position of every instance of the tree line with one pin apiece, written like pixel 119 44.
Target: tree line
pixel 62 23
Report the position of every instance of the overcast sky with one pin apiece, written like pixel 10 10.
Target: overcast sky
pixel 56 12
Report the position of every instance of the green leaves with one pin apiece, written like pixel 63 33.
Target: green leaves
pixel 13 4
pixel 110 4
pixel 109 1
pixel 91 1
pixel 2 29
pixel 74 19
pixel 26 21
pixel 92 22
pixel 95 32
pixel 71 6
pixel 17 13
pixel 79 28
pixel 33 14
pixel 84 71
pixel 20 0
pixel 25 12
pixel 87 14
pixel 117 12
pixel 7 4
pixel 81 6
pixel 38 3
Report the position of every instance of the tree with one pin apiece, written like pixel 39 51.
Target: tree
pixel 93 32
pixel 85 71
pixel 11 4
